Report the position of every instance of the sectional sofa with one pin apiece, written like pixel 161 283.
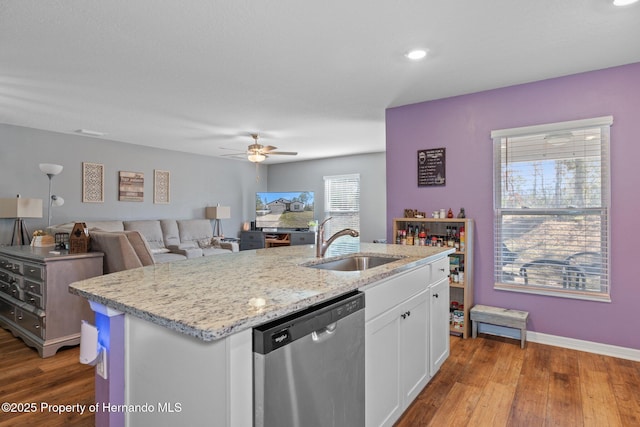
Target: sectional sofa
pixel 136 243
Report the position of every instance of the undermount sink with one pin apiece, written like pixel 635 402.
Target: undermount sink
pixel 354 263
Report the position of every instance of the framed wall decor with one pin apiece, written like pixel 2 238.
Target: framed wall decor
pixel 431 167
pixel 161 186
pixel 92 182
pixel 131 187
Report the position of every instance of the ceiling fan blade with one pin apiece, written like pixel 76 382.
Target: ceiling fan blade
pixel 284 153
pixel 267 148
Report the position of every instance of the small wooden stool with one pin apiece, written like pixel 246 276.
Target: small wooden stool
pixel 501 317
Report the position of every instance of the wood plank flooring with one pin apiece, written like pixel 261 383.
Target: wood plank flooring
pixel 487 381
pixel 491 381
pixel 56 380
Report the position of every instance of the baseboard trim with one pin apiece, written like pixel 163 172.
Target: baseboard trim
pixel 588 346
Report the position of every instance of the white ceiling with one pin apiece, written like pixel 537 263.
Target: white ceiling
pixel 200 75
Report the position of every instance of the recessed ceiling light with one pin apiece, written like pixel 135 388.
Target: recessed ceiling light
pixel 90 132
pixel 623 2
pixel 416 54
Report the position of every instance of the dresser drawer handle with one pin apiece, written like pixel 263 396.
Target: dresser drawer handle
pixel 36 326
pixel 20 317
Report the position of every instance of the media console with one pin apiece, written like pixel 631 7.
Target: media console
pixel 268 239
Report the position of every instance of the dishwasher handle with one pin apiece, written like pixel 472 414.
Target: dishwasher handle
pixel 325 333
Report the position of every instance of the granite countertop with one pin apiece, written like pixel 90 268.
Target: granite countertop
pixel 212 297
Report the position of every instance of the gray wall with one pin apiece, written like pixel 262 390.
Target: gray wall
pixel 308 175
pixel 196 181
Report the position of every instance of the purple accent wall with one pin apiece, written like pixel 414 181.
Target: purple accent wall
pixel 463 125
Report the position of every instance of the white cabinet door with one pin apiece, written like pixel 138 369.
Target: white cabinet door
pixel 414 347
pixel 439 324
pixel 383 400
pixel 397 359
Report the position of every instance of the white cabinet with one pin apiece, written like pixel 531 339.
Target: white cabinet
pixel 407 338
pixel 396 359
pixel 438 324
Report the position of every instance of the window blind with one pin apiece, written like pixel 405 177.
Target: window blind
pixel 551 201
pixel 342 203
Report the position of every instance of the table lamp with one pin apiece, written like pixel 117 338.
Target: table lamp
pixel 218 213
pixel 20 209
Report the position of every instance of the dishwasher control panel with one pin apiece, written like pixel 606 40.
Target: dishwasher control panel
pixel 285 330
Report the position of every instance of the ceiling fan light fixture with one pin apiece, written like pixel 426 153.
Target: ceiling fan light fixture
pixel 256 157
pixel 416 54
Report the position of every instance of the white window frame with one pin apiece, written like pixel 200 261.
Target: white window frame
pixel 342 204
pixel 502 214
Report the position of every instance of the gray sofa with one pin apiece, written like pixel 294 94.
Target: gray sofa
pixel 166 239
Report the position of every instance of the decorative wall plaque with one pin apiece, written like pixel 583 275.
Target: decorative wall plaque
pixel 431 167
pixel 131 187
pixel 161 186
pixel 92 182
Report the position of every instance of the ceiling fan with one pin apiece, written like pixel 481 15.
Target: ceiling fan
pixel 257 153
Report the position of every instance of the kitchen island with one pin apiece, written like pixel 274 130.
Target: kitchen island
pixel 178 335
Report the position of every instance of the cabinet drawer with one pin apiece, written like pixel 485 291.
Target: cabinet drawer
pixel 302 239
pixel 33 287
pixel 395 290
pixel 33 299
pixel 7 310
pixel 11 265
pixel 30 322
pixel 439 269
pixel 9 279
pixel 34 271
pixel 15 291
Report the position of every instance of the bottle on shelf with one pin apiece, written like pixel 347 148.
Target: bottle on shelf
pixel 422 236
pixel 416 236
pixel 403 237
pixel 462 238
pixel 409 236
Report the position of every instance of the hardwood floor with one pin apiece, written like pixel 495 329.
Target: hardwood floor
pixel 491 381
pixel 25 378
pixel 487 381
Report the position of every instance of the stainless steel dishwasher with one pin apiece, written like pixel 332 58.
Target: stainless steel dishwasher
pixel 309 366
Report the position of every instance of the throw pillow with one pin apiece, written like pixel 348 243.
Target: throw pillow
pixel 204 243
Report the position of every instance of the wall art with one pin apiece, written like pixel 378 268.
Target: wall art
pixel 92 182
pixel 431 167
pixel 161 186
pixel 131 188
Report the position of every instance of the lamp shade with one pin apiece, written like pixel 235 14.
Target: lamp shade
pixel 218 212
pixel 50 168
pixel 17 207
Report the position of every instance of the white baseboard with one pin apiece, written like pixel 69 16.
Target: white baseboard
pixel 588 346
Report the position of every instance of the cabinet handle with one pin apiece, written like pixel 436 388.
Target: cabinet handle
pixel 19 317
pixel 403 315
pixel 442 269
pixel 435 295
pixel 36 326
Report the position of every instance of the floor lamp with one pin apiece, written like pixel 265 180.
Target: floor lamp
pixel 20 209
pixel 218 213
pixel 51 170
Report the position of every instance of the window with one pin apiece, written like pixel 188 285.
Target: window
pixel 342 203
pixel 551 201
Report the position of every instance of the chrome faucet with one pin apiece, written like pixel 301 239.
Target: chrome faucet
pixel 322 245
